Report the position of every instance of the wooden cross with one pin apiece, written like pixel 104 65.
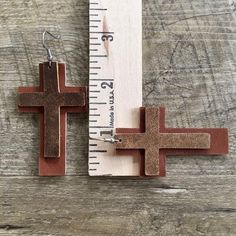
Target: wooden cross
pixel 52 99
pixel 158 141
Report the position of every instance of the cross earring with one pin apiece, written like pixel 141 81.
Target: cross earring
pixel 52 100
pixel 157 141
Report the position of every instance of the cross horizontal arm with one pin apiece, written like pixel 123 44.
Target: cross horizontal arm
pixel 131 141
pixel 31 99
pixel 184 141
pixel 72 99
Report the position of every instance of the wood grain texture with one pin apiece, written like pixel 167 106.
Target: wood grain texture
pixel 107 206
pixel 189 67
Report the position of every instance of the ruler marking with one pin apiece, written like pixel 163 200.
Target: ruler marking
pixel 98 103
pixel 99 32
pixel 102 79
pixel 98 9
pixel 93 132
pixel 98 56
pixel 95 44
pixel 93 145
pixel 95 67
pixel 93 121
pixel 100 127
pixel 99 151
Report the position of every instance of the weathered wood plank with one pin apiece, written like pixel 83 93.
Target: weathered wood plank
pixel 102 206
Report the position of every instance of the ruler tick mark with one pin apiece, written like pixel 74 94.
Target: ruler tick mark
pixel 101 127
pixel 95 20
pixel 98 103
pixel 95 44
pixel 98 9
pixel 102 79
pixel 93 121
pixel 93 132
pixel 94 151
pixel 98 56
pixel 100 32
pixel 93 145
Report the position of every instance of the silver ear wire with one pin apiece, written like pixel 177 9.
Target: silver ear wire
pixel 111 140
pixel 49 53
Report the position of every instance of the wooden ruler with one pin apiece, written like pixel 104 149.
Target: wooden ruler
pixel 115 84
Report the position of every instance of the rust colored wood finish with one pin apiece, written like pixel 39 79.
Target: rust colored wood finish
pixel 52 99
pixel 159 141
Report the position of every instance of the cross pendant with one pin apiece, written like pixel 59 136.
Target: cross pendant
pixel 158 141
pixel 53 100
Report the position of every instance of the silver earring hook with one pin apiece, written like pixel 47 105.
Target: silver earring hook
pixel 49 56
pixel 111 140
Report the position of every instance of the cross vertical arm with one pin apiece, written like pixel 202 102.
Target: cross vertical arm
pixel 52 132
pixel 51 78
pixel 152 164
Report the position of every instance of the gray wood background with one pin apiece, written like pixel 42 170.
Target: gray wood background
pixel 189 53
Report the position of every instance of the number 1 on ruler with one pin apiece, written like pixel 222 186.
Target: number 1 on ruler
pixel 115 83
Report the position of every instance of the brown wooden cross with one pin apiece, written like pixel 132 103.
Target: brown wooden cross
pixel 52 99
pixel 158 141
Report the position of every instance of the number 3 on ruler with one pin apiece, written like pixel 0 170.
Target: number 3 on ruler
pixel 107 38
